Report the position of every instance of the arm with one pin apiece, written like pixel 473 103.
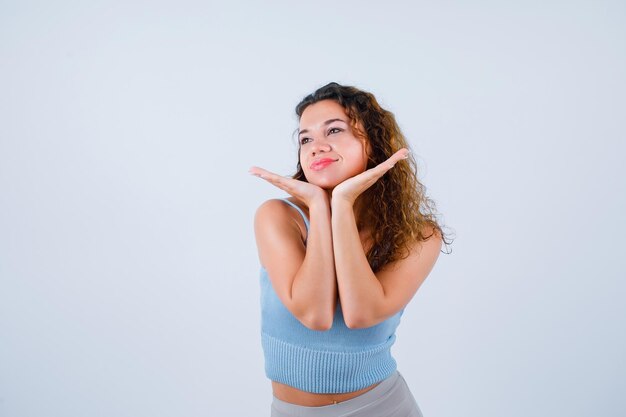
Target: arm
pixel 303 277
pixel 367 298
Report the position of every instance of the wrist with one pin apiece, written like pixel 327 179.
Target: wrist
pixel 320 201
pixel 341 203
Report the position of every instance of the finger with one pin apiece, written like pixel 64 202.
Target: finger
pixel 398 156
pixel 279 181
pixel 383 167
pixel 259 172
pixel 265 174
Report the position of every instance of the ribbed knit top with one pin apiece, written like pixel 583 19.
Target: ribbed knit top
pixel 337 360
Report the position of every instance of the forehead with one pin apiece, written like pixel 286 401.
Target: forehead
pixel 317 113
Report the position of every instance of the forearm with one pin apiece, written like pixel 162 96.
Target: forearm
pixel 360 291
pixel 314 288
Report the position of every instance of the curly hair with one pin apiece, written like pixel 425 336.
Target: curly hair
pixel 396 206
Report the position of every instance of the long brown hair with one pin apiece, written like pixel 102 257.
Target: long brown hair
pixel 396 206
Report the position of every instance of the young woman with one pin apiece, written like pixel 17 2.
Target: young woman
pixel 341 258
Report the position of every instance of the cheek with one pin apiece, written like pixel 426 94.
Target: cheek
pixel 365 153
pixel 358 161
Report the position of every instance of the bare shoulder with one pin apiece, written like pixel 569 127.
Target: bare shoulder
pixel 402 278
pixel 275 209
pixel 421 255
pixel 275 215
pixel 271 207
pixel 272 211
pixel 430 247
pixel 432 235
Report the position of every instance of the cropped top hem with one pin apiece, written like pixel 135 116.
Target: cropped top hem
pixel 326 371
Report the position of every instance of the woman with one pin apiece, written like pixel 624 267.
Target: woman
pixel 341 258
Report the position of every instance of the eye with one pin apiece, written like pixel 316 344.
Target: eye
pixel 333 130
pixel 304 140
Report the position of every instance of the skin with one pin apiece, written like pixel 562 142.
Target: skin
pixel 333 264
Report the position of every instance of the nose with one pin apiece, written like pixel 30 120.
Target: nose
pixel 319 146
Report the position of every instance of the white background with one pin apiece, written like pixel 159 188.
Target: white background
pixel 128 269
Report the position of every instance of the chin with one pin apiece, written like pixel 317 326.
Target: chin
pixel 325 183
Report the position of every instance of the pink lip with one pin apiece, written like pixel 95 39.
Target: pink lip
pixel 321 164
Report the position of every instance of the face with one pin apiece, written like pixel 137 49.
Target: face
pixel 329 150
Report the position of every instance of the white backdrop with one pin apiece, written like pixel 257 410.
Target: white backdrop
pixel 128 270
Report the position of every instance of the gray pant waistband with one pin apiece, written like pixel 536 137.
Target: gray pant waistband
pixel 394 385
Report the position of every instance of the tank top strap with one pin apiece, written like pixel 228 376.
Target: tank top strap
pixel 306 221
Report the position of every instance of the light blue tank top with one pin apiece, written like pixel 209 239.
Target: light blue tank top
pixel 334 361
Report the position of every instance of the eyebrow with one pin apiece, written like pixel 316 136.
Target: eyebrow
pixel 326 123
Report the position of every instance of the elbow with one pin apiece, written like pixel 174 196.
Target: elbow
pixel 319 326
pixel 319 322
pixel 358 321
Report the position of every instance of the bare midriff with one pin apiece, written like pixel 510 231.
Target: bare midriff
pixel 309 399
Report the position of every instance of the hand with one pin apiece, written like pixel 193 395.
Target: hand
pixel 353 187
pixel 304 191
